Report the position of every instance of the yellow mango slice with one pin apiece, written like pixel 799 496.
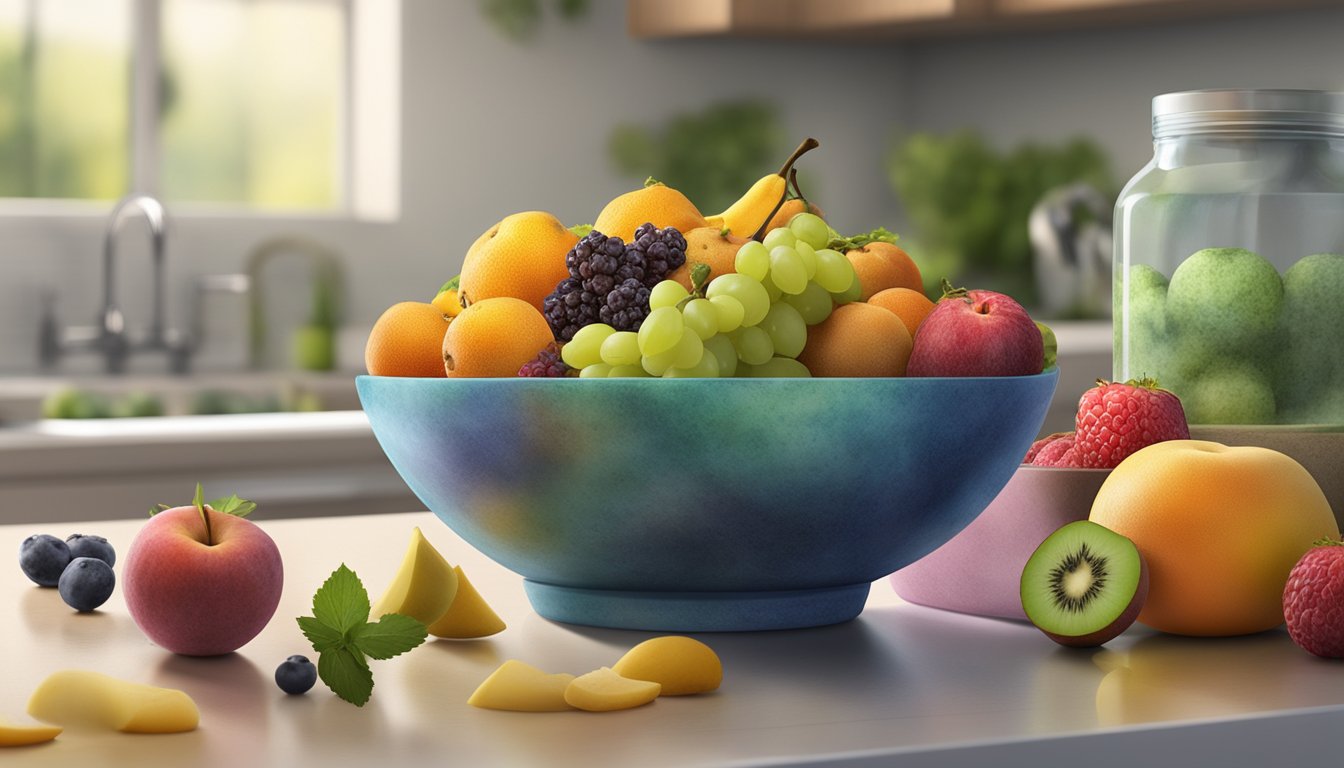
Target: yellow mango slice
pixel 520 687
pixel 76 697
pixel 682 665
pixel 603 690
pixel 424 586
pixel 469 616
pixel 23 735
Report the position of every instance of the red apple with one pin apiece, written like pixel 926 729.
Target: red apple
pixel 199 591
pixel 977 333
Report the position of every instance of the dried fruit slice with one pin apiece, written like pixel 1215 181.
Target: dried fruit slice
pixel 520 687
pixel 76 697
pixel 1084 585
pixel 469 616
pixel 424 587
pixel 681 665
pixel 603 690
pixel 25 735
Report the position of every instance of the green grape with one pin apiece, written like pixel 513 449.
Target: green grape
pixel 752 260
pixel 786 270
pixel 780 368
pixel 814 303
pixel 771 289
pixel 595 371
pixel 621 348
pixel 657 365
pixel 706 368
pixel 728 311
pixel 722 348
pixel 585 348
pixel 660 330
pixel 834 271
pixel 749 292
pixel 851 294
pixel 809 257
pixel 627 372
pixel 779 236
pixel 666 294
pixel 688 350
pixel 700 316
pixel 787 331
pixel 809 228
pixel 753 345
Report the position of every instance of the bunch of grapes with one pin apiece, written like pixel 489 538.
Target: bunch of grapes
pixel 752 322
pixel 609 280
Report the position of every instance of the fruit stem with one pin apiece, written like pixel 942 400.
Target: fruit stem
pixel 955 293
pixel 797 190
pixel 808 145
pixel 863 240
pixel 1327 543
pixel 699 279
pixel 651 182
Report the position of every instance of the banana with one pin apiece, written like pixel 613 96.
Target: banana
pixel 751 211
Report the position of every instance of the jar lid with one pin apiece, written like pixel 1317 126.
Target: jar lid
pixel 1230 111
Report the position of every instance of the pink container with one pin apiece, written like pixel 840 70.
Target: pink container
pixel 978 571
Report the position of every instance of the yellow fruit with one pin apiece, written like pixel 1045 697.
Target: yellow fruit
pixel 745 216
pixel 424 587
pixel 76 697
pixel 522 257
pixel 26 735
pixel 857 340
pixel 520 687
pixel 493 338
pixel 1220 529
pixel 469 616
pixel 656 203
pixel 706 245
pixel 603 691
pixel 681 665
pixel 447 299
pixel 407 340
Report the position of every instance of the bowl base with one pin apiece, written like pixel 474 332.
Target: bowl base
pixel 697 611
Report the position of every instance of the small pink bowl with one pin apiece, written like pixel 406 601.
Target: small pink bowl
pixel 979 570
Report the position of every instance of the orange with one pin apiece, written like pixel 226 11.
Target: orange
pixel 881 266
pixel 406 340
pixel 523 257
pixel 656 203
pixel 1220 529
pixel 787 211
pixel 708 245
pixel 911 306
pixel 493 338
pixel 857 340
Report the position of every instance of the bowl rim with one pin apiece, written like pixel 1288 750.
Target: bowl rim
pixel 1052 372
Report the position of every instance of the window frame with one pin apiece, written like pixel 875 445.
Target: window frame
pixel 372 72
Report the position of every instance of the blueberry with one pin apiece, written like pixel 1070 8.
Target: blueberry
pixel 43 558
pixel 83 545
pixel 87 583
pixel 296 675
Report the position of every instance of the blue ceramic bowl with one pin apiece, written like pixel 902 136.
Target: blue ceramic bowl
pixel 705 505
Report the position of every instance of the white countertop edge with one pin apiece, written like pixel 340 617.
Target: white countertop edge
pixel 183 429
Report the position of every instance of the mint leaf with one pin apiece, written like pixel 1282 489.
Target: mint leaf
pixel 392 635
pixel 341 602
pixel 322 637
pixel 347 674
pixel 232 505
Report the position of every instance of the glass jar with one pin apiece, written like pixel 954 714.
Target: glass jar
pixel 1229 258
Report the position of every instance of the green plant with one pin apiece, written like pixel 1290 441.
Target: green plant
pixel 968 203
pixel 711 155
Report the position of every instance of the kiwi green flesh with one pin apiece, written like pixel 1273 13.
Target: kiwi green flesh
pixel 1084 585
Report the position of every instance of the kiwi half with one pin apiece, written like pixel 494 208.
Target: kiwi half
pixel 1084 585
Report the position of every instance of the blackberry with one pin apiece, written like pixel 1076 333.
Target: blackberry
pixel 609 280
pixel 547 364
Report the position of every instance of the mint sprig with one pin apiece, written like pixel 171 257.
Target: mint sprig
pixel 345 640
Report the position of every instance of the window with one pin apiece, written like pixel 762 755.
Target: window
pixel 222 104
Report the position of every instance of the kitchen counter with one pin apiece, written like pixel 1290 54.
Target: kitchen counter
pixel 901 685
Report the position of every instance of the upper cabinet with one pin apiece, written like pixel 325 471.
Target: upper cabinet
pixel 878 19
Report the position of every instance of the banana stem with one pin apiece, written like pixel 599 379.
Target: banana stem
pixel 808 145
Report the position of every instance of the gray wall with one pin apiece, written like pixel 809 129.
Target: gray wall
pixel 493 127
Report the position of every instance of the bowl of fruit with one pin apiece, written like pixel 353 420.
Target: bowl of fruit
pixel 664 426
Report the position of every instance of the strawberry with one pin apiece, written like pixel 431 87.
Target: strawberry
pixel 1039 444
pixel 1115 420
pixel 1050 454
pixel 1313 600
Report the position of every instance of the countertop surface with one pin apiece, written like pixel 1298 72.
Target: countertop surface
pixel 901 685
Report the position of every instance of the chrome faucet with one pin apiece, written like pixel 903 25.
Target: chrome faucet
pixel 110 336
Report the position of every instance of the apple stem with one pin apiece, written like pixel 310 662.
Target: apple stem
pixel 955 293
pixel 209 536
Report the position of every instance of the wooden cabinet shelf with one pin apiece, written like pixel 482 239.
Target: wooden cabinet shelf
pixel 895 19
